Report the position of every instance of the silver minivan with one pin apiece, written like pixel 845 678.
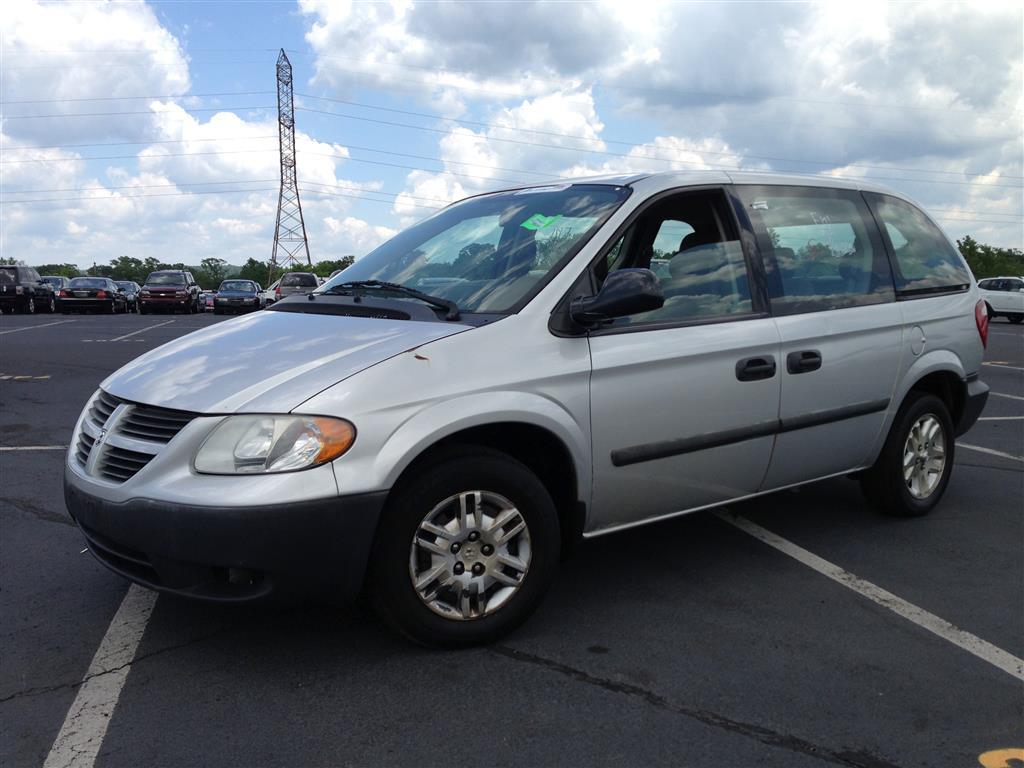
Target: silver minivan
pixel 439 424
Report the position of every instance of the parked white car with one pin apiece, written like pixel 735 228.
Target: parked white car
pixel 1004 297
pixel 268 295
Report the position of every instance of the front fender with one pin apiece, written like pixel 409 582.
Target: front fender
pixel 437 422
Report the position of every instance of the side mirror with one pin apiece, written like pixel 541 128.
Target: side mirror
pixel 625 292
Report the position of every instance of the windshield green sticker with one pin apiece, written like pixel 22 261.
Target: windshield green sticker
pixel 539 221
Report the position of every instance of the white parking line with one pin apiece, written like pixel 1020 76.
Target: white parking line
pixel 984 650
pixel 1011 397
pixel 1001 418
pixel 33 448
pixel 33 327
pixel 86 723
pixel 990 451
pixel 141 330
pixel 1000 365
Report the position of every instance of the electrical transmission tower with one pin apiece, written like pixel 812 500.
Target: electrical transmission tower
pixel 290 244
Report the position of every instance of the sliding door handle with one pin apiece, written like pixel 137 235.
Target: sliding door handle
pixel 804 361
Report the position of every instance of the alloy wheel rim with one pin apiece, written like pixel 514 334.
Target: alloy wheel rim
pixel 470 554
pixel 924 456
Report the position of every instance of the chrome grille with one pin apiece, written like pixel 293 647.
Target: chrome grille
pixel 85 443
pixel 132 435
pixel 119 464
pixel 158 424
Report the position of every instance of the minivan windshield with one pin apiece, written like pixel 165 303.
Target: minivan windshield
pixel 165 278
pixel 486 254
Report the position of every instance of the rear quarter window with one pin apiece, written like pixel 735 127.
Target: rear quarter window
pixel 924 261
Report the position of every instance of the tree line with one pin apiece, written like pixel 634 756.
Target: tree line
pixel 984 261
pixel 208 273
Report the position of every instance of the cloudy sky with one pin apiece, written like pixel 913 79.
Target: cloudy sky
pixel 149 129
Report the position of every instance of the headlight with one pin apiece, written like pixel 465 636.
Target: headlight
pixel 243 445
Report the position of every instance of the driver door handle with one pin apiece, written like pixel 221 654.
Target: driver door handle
pixel 755 368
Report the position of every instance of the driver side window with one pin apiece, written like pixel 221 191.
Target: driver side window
pixel 690 243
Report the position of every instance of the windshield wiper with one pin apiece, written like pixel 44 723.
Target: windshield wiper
pixel 450 307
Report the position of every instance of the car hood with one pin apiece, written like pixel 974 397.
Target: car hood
pixel 266 361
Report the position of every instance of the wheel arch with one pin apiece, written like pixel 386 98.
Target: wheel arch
pixel 539 434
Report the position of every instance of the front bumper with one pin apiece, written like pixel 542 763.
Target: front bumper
pixel 303 549
pixel 155 302
pixel 974 403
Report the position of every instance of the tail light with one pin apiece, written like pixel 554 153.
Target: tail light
pixel 101 294
pixel 981 320
pixel 277 292
pixel 18 290
pixel 63 294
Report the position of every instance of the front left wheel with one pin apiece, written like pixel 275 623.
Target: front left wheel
pixel 465 550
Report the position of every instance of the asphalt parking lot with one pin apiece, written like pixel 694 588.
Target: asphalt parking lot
pixel 688 643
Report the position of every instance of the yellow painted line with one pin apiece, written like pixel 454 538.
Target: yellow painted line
pixel 1001 758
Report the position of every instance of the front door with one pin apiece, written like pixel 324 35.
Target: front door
pixel 684 399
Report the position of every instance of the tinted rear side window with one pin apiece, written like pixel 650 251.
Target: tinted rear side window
pixel 8 275
pixel 924 261
pixel 821 249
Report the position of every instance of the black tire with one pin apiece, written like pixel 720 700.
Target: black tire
pixel 389 583
pixel 143 310
pixel 1017 319
pixel 52 307
pixel 30 305
pixel 113 308
pixel 883 484
pixel 218 311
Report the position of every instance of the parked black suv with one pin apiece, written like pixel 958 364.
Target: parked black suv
pixel 170 289
pixel 23 290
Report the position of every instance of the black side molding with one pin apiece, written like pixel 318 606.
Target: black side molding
pixel 636 454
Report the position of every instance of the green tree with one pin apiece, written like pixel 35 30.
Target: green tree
pixel 11 262
pixel 129 268
pixel 325 267
pixel 213 270
pixel 255 270
pixel 65 270
pixel 989 260
pixel 100 270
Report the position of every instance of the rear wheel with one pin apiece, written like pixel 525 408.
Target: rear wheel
pixel 1018 318
pixel 915 464
pixel 30 305
pixel 465 550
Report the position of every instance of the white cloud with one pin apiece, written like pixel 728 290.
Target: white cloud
pixel 83 51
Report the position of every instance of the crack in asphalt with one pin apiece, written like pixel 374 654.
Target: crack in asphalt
pixel 852 759
pixel 40 513
pixel 40 690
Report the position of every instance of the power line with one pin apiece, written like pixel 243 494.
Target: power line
pixel 136 143
pixel 135 157
pixel 497 126
pixel 133 197
pixel 141 112
pixel 636 157
pixel 138 186
pixel 623 87
pixel 135 98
